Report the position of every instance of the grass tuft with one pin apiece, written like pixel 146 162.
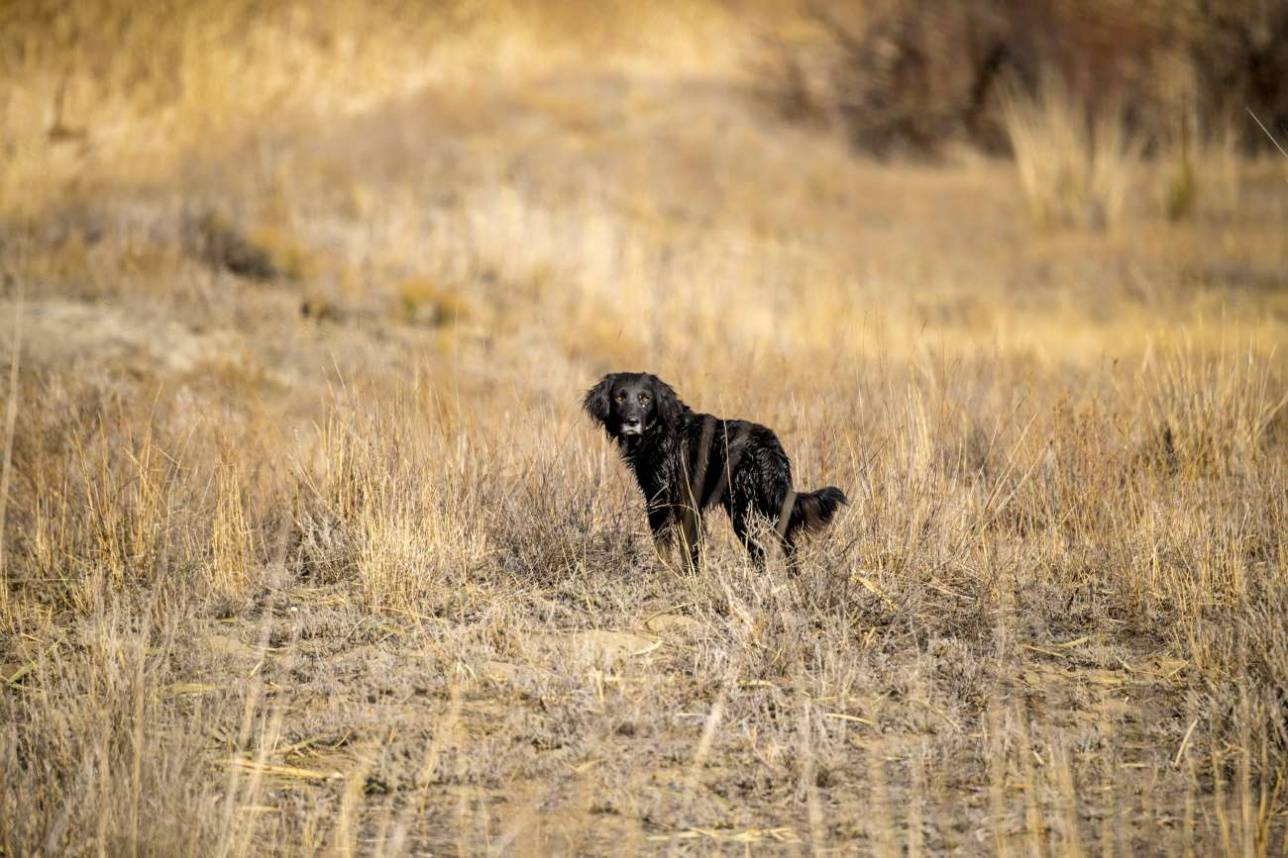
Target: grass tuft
pixel 1076 168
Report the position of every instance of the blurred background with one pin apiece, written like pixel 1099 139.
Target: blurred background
pixel 763 176
pixel 635 168
pixel 91 82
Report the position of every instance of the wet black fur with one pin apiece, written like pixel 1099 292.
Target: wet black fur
pixel 746 471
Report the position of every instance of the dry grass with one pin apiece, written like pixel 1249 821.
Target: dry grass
pixel 329 561
pixel 1076 169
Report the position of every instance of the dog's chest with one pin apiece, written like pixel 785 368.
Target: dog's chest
pixel 656 471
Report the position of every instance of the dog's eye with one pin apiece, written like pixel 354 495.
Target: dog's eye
pixel 643 399
pixel 621 397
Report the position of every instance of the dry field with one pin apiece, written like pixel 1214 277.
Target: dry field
pixel 307 548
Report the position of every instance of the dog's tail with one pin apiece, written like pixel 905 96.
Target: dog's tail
pixel 813 510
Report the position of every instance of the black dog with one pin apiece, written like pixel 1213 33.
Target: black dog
pixel 685 462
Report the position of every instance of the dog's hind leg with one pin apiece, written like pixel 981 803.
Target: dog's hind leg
pixel 789 555
pixel 741 519
pixel 782 530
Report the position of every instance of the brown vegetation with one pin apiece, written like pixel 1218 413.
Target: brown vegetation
pixel 289 568
pixel 912 77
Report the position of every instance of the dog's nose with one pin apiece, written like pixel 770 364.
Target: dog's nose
pixel 631 422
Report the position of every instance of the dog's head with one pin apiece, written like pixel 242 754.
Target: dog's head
pixel 633 405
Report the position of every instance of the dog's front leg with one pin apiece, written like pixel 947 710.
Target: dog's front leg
pixel 662 545
pixel 662 524
pixel 691 537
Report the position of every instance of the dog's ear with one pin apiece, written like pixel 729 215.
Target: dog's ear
pixel 596 400
pixel 669 406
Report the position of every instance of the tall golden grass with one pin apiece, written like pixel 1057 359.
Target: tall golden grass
pixel 1076 169
pixel 135 91
pixel 331 561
